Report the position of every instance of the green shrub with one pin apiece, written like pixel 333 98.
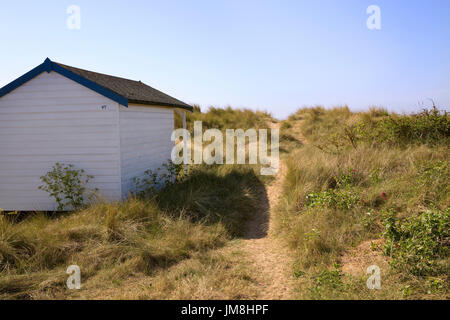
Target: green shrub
pixel 335 135
pixel 418 244
pixel 67 185
pixel 340 199
pixel 153 180
pixel 340 196
pixel 428 127
pixel 326 282
pixel 329 278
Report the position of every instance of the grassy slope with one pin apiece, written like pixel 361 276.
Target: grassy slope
pixel 157 247
pixel 337 195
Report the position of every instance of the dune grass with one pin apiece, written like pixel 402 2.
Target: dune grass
pixel 226 118
pixel 368 177
pixel 141 237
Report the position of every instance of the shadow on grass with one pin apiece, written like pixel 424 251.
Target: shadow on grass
pixel 288 142
pixel 232 195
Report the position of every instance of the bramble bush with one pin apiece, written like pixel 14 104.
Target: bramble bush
pixel 325 282
pixel 341 196
pixel 420 243
pixel 341 199
pixel 431 127
pixel 427 127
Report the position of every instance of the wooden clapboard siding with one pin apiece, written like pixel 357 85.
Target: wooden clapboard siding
pixel 53 119
pixel 145 133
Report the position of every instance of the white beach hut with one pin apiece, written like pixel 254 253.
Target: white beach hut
pixel 113 128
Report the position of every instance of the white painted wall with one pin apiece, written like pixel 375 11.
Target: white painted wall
pixel 145 133
pixel 54 119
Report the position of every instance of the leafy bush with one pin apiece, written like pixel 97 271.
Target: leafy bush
pixel 345 179
pixel 341 197
pixel 418 244
pixel 67 185
pixel 429 127
pixel 326 281
pixel 329 278
pixel 153 180
pixel 368 220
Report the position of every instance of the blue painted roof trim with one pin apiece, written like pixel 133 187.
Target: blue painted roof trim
pixel 49 66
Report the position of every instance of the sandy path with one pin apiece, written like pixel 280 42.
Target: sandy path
pixel 272 261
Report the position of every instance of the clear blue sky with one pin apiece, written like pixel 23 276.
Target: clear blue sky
pixel 269 55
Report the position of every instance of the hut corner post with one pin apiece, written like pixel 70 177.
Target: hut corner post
pixel 185 144
pixel 182 114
